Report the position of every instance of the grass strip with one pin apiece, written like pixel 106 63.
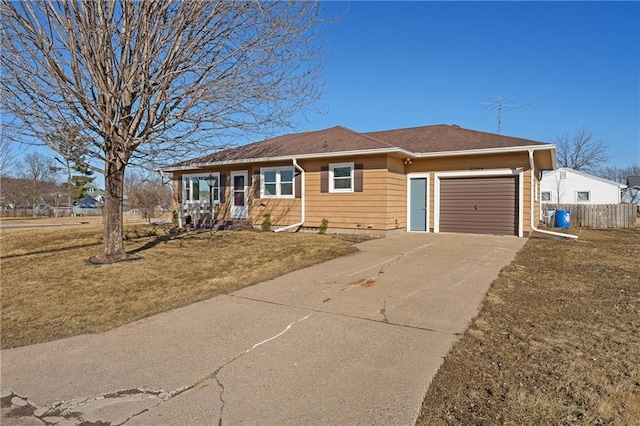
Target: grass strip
pixel 556 341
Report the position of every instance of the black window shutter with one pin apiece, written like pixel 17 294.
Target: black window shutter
pixel 324 179
pixel 297 185
pixel 357 177
pixel 256 183
pixel 223 186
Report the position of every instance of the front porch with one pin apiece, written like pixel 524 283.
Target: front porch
pixel 200 215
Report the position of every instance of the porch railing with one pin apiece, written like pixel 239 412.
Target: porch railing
pixel 198 214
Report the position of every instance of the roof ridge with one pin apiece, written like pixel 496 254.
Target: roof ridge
pixel 458 127
pixel 365 135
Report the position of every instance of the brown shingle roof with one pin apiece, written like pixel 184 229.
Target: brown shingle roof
pixel 443 138
pixel 334 139
pixel 419 140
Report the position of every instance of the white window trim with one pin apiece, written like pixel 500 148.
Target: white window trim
pixel 332 188
pixel 278 182
pixel 198 175
pixel 583 201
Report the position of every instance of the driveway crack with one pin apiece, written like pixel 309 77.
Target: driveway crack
pixel 83 410
pixel 383 312
pixel 214 375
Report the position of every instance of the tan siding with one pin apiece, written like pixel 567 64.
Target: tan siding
pixel 356 210
pixel 283 211
pixel 526 201
pixel 396 194
pixel 472 162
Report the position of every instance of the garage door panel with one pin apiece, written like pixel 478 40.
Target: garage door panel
pixel 475 216
pixel 479 205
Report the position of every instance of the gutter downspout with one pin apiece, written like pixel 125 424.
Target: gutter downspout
pixel 302 200
pixel 533 226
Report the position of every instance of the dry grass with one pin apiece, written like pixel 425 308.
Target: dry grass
pixel 48 292
pixel 556 342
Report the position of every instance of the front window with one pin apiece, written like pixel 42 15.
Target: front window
pixel 583 196
pixel 545 196
pixel 201 188
pixel 277 182
pixel 341 177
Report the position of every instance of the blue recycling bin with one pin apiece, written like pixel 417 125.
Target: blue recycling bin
pixel 563 219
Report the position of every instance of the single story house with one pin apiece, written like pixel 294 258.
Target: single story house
pixel 568 186
pixel 440 178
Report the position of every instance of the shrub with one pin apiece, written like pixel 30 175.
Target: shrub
pixel 324 225
pixel 266 223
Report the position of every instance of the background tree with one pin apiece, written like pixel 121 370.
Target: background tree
pixel 148 194
pixel 149 81
pixel 70 148
pixel 39 171
pixel 7 158
pixel 582 151
pixel 619 174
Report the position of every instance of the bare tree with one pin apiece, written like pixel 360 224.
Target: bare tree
pixel 619 174
pixel 582 151
pixel 149 81
pixel 7 157
pixel 39 170
pixel 148 193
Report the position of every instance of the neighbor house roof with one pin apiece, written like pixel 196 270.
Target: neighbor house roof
pixel 633 180
pixel 578 172
pixel 413 142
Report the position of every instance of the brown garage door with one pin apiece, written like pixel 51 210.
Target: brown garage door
pixel 485 205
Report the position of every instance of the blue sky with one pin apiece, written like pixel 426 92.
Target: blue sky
pixel 403 64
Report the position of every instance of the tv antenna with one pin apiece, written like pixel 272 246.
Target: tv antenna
pixel 501 104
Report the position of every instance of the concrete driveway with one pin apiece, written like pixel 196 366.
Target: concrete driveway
pixel 355 340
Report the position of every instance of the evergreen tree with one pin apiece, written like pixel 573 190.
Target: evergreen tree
pixel 70 146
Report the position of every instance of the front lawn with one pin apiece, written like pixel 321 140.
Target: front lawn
pixel 48 292
pixel 556 342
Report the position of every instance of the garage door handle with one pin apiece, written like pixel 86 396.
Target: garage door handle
pixel 476 207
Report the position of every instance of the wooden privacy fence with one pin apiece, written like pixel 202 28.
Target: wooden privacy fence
pixel 598 215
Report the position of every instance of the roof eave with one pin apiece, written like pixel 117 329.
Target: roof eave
pixel 480 151
pixel 394 150
pixel 400 151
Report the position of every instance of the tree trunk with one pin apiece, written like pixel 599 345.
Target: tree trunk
pixel 112 244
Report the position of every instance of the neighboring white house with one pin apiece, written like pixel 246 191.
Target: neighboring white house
pixel 568 186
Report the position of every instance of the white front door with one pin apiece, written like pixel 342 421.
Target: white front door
pixel 239 195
